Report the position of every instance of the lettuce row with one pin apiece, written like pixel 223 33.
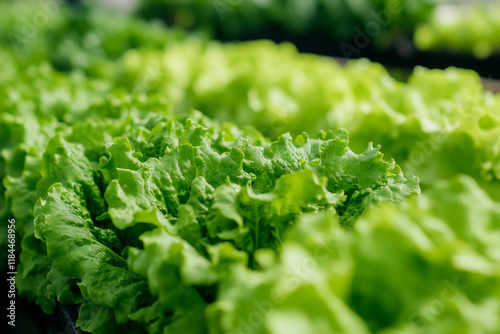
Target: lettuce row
pixel 426 124
pixel 449 26
pixel 467 29
pixel 209 229
pixel 202 206
pixel 333 21
pixel 163 182
pixel 93 38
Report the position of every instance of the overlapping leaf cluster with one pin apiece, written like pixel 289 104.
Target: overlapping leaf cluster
pixel 331 20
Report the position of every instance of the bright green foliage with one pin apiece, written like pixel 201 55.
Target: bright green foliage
pixel 437 125
pixel 431 267
pixel 84 38
pixel 156 218
pixel 463 28
pixel 331 20
pixel 188 215
pixel 104 167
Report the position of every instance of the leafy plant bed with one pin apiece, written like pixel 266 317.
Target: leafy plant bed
pixel 303 196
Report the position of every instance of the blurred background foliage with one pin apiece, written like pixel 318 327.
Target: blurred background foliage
pixel 433 33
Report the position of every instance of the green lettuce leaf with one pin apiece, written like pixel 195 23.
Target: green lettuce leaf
pixel 64 223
